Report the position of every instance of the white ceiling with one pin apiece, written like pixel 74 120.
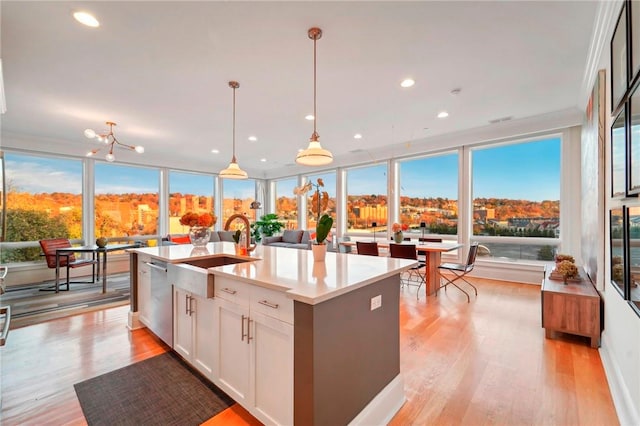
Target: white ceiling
pixel 160 70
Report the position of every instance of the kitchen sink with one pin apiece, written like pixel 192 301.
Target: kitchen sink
pixel 215 261
pixel 195 277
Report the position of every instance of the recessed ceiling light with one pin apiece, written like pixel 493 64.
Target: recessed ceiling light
pixel 309 117
pixel 264 160
pixel 253 138
pixel 215 151
pixel 443 114
pixel 407 82
pixel 87 19
pixel 357 136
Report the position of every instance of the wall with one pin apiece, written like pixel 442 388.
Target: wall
pixel 620 350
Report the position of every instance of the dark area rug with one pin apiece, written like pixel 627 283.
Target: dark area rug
pixel 162 390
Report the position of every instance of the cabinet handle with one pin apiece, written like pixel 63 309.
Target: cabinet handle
pixel 249 321
pixel 191 311
pixel 242 331
pixel 266 303
pixel 186 304
pixel 227 290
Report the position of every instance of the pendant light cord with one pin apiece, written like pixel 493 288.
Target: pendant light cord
pixel 234 125
pixel 315 114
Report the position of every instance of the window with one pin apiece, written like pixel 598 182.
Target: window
pixel 126 200
pixel 237 196
pixel 189 192
pixel 286 206
pixel 329 180
pixel 516 193
pixel 367 198
pixel 44 200
pixel 429 194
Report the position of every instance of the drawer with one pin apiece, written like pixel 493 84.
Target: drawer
pixel 233 291
pixel 272 303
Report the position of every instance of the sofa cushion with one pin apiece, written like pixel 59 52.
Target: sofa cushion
pixel 306 237
pixel 226 236
pixel 291 236
pixel 267 241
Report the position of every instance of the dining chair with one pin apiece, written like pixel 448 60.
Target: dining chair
pixel 459 270
pixel 367 248
pixel 68 260
pixel 416 275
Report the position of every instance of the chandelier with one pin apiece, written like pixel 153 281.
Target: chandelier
pixel 109 140
pixel 233 171
pixel 314 155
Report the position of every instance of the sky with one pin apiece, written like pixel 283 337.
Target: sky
pixel 520 171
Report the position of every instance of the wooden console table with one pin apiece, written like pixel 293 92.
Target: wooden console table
pixel 573 308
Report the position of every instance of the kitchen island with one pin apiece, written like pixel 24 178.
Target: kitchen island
pixel 292 340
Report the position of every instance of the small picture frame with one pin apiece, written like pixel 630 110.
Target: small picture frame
pixel 634 19
pixel 619 156
pixel 617 248
pixel 619 63
pixel 633 166
pixel 633 249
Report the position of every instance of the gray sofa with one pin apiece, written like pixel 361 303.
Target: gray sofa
pixel 216 236
pixel 290 238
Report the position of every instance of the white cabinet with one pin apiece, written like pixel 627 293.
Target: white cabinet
pixel 255 353
pixel 233 350
pixel 194 321
pixel 144 289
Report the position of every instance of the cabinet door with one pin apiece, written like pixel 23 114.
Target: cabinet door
pixel 271 369
pixel 204 338
pixel 233 351
pixel 182 323
pixel 144 290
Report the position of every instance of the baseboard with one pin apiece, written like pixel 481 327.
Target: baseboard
pixel 384 406
pixel 133 321
pixel 625 406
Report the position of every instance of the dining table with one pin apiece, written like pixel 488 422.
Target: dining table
pixel 433 256
pixel 97 251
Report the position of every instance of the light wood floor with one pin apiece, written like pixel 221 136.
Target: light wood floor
pixel 486 362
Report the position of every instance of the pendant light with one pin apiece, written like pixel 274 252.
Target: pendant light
pixel 314 155
pixel 233 171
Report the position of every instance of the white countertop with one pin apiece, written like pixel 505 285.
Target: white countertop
pixel 291 270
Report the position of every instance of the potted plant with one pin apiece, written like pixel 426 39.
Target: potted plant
pixel 319 245
pixel 267 226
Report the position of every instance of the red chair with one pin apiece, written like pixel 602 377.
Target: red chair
pixel 366 248
pixel 68 260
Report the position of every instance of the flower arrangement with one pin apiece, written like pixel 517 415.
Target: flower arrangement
pixel 563 257
pixel 319 200
pixel 192 219
pixel 396 227
pixel 567 269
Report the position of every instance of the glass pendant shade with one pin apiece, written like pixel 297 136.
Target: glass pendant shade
pixel 233 171
pixel 314 155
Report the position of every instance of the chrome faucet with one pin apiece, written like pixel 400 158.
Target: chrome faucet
pixel 247 228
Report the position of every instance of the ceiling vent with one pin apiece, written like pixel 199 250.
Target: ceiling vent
pixel 500 120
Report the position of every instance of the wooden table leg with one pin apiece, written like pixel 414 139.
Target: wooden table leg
pixel 433 261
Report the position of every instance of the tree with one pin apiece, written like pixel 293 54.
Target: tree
pixel 545 253
pixel 31 225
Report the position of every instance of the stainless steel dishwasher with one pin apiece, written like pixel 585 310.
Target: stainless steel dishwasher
pixel 161 306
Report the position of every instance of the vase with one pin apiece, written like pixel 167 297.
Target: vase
pixel 199 235
pixel 398 237
pixel 319 252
